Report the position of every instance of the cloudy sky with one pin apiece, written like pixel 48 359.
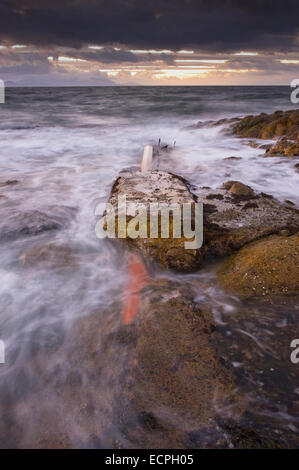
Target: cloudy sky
pixel 160 42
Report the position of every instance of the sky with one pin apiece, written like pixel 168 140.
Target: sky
pixel 137 42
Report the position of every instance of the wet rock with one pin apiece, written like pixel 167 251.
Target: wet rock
pixel 226 226
pixel 243 438
pixel 73 378
pixel 284 147
pixel 182 392
pixel 177 379
pixel 160 382
pixel 30 223
pixel 215 196
pixel 241 189
pixel 254 144
pixel 265 146
pixel 232 158
pixel 231 223
pixel 279 125
pixel 9 183
pixel 268 126
pixel 297 167
pixel 287 201
pixel 228 184
pixel 211 123
pixel 51 255
pixel 250 205
pixel 158 187
pixel 267 268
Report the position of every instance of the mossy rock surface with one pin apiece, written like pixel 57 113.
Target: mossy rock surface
pixel 267 268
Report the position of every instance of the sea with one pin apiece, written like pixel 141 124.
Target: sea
pixel 61 149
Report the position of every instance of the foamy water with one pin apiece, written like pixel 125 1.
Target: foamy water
pixel 65 147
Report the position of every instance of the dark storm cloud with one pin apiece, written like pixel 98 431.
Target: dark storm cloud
pixel 219 25
pixel 108 55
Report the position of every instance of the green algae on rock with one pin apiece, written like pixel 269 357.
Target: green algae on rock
pixel 267 268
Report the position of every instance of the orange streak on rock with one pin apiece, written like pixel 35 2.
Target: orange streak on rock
pixel 137 279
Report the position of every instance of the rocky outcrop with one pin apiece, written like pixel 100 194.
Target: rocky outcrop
pixel 281 125
pixel 232 217
pixel 267 268
pixel 269 126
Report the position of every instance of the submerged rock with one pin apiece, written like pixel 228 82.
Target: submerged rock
pixel 9 183
pixel 160 382
pixel 266 268
pixel 232 158
pixel 232 217
pixel 20 224
pixel 178 383
pixel 211 123
pixel 53 255
pixel 181 392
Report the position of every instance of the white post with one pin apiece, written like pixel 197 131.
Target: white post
pixel 147 158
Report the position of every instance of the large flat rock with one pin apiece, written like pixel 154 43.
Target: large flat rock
pixel 233 216
pixel 158 187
